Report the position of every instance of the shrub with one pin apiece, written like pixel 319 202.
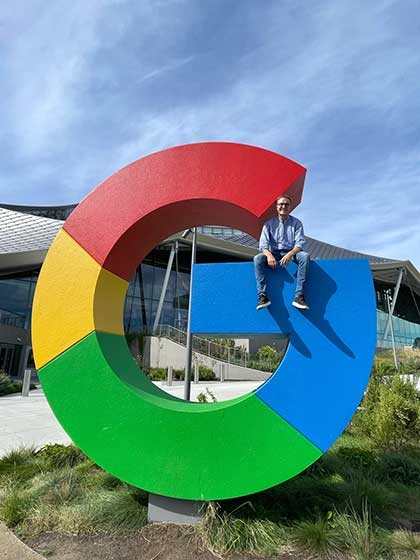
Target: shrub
pixel 383 366
pixel 178 374
pixel 398 467
pixel 224 533
pixel 390 411
pixel 57 455
pixel 7 386
pixel 204 397
pixel 411 366
pixel 20 464
pixel 156 374
pixel 358 458
pixel 206 373
pixel 358 535
pixel 267 358
pixel 316 536
pixel 395 419
pixel 14 507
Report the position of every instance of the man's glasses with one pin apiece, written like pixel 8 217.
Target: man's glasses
pixel 283 204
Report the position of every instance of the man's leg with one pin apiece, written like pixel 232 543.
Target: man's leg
pixel 302 258
pixel 260 265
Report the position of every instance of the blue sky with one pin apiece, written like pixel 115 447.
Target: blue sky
pixel 87 87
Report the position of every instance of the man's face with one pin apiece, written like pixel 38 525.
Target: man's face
pixel 283 207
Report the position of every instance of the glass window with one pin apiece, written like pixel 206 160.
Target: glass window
pixel 16 295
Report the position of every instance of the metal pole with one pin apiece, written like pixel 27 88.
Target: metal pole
pixel 174 248
pixel 394 301
pixel 169 376
pixel 187 379
pixel 392 336
pixel 26 384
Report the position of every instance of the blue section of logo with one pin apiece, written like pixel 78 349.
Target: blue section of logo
pixel 325 370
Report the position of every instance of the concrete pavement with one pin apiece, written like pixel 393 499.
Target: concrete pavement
pixel 11 548
pixel 28 421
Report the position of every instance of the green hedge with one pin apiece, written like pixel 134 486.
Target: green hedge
pixel 7 386
pixel 160 374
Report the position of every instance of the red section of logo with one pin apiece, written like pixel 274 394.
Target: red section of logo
pixel 186 186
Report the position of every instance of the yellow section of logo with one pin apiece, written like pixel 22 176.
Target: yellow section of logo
pixel 74 296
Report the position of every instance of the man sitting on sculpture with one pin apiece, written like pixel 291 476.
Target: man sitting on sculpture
pixel 282 239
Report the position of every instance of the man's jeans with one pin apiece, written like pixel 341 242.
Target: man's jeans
pixel 261 264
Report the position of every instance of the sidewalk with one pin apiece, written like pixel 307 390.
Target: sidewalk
pixel 29 421
pixel 13 549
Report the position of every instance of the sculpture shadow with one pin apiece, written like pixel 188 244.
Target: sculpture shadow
pixel 320 288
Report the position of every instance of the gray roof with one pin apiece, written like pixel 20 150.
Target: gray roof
pixel 24 240
pixel 317 249
pixel 23 232
pixel 383 269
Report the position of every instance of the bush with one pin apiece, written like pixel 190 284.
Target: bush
pixel 265 359
pixel 390 410
pixel 156 374
pixel 357 458
pixel 178 374
pixel 57 455
pixel 383 366
pixel 7 386
pixel 20 464
pixel 395 418
pixel 14 507
pixel 397 467
pixel 411 366
pixel 206 373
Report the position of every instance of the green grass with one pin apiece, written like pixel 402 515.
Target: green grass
pixel 317 536
pixel 356 502
pixel 59 489
pixel 223 533
pixel 357 534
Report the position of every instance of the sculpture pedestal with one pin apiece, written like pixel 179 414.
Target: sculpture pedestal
pixel 172 510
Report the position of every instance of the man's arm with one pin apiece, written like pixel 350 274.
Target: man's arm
pixel 299 243
pixel 264 247
pixel 284 261
pixel 271 261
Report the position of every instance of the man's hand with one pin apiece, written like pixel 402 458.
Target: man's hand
pixel 271 261
pixel 284 261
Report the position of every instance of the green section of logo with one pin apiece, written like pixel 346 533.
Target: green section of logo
pixel 157 442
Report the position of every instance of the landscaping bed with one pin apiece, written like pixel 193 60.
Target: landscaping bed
pixel 360 501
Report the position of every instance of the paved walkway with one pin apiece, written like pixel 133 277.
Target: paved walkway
pixel 11 548
pixel 28 421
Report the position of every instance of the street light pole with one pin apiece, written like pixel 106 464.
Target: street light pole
pixel 187 377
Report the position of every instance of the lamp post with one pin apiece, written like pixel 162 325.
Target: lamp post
pixel 187 377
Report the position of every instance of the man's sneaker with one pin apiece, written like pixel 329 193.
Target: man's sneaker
pixel 300 302
pixel 263 301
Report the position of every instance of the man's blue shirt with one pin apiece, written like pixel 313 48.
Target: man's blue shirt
pixel 277 235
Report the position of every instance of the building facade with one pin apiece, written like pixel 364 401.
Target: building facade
pixel 27 232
